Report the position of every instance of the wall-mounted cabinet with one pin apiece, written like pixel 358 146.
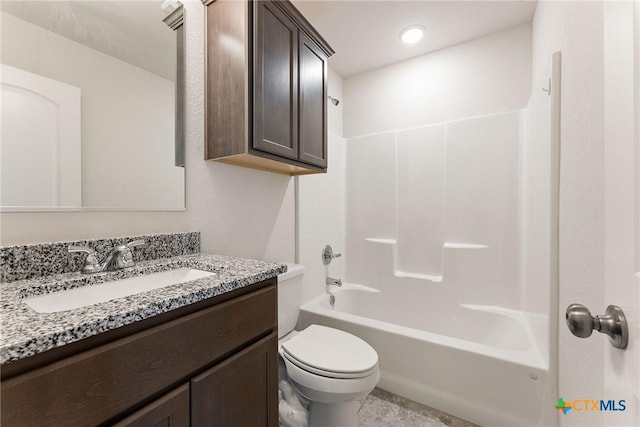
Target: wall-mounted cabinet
pixel 266 96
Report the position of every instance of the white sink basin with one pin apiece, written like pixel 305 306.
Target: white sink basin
pixel 94 294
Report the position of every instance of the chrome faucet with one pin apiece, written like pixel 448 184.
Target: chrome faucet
pixel 119 257
pixel 327 256
pixel 333 282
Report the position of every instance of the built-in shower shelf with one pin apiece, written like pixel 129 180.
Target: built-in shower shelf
pixel 420 276
pixel 450 245
pixel 396 272
pixel 381 240
pixel 447 245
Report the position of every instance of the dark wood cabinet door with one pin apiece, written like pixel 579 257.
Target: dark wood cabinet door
pixel 227 78
pixel 171 410
pixel 313 103
pixel 242 391
pixel 275 98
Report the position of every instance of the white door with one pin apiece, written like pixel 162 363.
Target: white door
pixel 622 203
pixel 40 145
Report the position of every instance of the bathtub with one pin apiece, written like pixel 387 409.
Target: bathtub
pixel 479 363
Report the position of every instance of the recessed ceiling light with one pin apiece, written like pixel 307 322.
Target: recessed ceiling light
pixel 412 34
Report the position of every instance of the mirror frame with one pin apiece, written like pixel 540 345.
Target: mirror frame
pixel 175 21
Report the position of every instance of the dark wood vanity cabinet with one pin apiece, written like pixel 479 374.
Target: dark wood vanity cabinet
pixel 239 391
pixel 212 363
pixel 266 104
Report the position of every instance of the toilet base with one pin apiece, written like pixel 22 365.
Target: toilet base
pixel 334 414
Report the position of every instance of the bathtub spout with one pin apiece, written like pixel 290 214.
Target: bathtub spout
pixel 333 282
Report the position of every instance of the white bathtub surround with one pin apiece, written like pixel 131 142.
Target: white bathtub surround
pixel 480 363
pixel 450 222
pixel 321 213
pixel 440 204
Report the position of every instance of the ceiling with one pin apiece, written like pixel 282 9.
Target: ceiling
pixel 366 34
pixel 132 31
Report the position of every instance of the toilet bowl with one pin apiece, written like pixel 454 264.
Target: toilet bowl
pixel 331 369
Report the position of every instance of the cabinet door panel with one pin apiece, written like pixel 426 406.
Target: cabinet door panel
pixel 313 103
pixel 227 78
pixel 171 410
pixel 241 391
pixel 275 107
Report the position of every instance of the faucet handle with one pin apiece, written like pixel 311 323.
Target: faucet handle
pixel 91 263
pixel 328 255
pixel 124 254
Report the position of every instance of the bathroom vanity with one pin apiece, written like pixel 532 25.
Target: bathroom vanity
pixel 198 353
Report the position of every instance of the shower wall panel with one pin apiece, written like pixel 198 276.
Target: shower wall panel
pixel 420 191
pixel 439 206
pixel 371 194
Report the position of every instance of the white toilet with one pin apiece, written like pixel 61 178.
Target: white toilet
pixel 331 369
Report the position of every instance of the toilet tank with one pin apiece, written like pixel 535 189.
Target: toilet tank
pixel 289 298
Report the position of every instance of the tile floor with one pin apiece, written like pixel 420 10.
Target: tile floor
pixel 384 409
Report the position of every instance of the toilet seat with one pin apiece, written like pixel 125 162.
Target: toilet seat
pixel 330 353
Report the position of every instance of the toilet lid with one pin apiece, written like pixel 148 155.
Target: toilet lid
pixel 331 351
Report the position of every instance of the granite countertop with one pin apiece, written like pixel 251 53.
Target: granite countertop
pixel 26 332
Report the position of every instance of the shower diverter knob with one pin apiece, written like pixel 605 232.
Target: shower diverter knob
pixel 328 255
pixel 614 323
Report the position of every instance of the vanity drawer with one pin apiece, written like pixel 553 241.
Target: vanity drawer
pixel 103 383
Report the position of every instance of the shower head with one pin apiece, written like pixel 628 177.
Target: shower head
pixel 333 100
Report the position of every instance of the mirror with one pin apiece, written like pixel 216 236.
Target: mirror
pixel 88 113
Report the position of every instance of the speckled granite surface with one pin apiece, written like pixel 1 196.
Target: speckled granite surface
pixel 44 259
pixel 26 332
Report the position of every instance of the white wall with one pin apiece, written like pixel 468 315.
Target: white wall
pixel 127 118
pixel 321 205
pixel 488 75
